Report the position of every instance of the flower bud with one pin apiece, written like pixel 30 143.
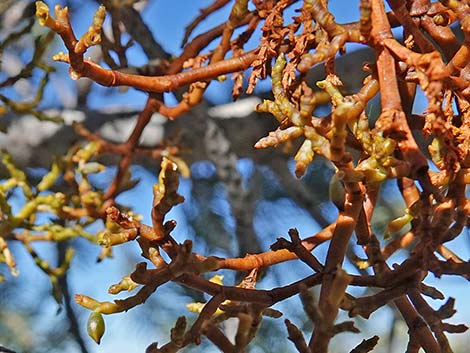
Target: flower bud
pixel 95 326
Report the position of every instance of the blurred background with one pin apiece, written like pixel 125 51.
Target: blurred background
pixel 238 199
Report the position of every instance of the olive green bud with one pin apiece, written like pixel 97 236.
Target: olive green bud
pixel 397 224
pixel 87 151
pixel 337 192
pixel 388 146
pixel 95 326
pixel 91 168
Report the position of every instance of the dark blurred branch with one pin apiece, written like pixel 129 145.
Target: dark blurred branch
pixel 74 327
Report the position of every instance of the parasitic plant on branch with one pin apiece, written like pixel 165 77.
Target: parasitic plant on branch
pixel 427 155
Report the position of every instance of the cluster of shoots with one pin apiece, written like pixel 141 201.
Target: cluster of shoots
pixel 46 215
